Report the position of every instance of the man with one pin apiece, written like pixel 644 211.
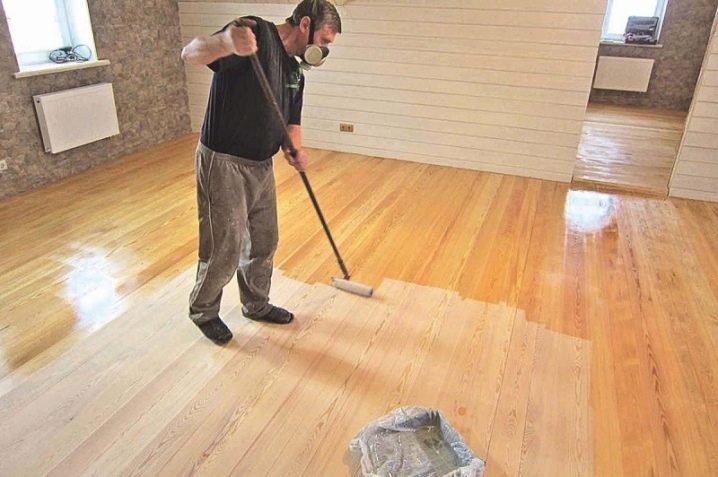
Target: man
pixel 236 194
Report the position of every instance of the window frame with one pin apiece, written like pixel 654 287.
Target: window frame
pixel 31 59
pixel 660 12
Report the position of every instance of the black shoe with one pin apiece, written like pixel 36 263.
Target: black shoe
pixel 276 315
pixel 216 330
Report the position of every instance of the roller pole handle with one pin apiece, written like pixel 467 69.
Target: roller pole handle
pixel 324 224
pixel 289 145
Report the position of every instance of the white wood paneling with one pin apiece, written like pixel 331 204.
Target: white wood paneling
pixel 704 125
pixel 704 109
pixel 695 175
pixel 491 85
pixel 419 85
pixel 597 7
pixel 701 140
pixel 710 94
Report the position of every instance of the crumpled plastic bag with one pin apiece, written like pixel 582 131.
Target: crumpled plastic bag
pixel 416 442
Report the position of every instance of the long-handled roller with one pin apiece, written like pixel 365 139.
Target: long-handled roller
pixel 340 283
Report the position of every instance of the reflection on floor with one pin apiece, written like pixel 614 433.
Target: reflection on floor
pixel 149 395
pixel 629 148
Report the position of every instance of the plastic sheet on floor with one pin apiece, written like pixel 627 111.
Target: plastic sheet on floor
pixel 412 441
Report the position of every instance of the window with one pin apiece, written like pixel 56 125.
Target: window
pixel 618 12
pixel 41 26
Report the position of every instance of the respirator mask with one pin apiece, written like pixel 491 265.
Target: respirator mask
pixel 314 55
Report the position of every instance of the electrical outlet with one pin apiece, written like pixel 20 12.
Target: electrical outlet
pixel 345 127
pixel 3 165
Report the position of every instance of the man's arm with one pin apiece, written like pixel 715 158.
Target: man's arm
pixel 299 161
pixel 295 133
pixel 237 40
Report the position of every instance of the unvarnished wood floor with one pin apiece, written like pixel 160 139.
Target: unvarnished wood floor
pixel 503 292
pixel 629 148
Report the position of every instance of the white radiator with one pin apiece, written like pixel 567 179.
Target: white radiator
pixel 623 74
pixel 77 116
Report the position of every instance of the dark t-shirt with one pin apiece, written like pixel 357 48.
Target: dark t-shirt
pixel 239 119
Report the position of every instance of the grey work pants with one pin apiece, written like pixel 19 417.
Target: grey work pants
pixel 237 205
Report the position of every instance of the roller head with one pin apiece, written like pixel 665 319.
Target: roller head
pixel 351 287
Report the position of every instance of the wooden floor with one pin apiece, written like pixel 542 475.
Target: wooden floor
pixel 629 148
pixel 563 332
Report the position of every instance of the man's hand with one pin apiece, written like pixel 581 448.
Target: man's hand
pixel 240 40
pixel 298 161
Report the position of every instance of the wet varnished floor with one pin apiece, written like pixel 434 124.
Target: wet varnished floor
pixel 629 148
pixel 614 294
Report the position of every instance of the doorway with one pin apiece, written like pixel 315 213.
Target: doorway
pixel 642 91
pixel 629 148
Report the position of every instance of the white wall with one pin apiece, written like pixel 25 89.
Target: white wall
pixel 494 85
pixel 695 175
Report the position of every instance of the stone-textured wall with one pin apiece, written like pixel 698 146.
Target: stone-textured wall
pixel 142 41
pixel 685 33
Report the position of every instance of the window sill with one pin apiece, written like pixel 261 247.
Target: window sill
pixel 623 43
pixel 48 69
